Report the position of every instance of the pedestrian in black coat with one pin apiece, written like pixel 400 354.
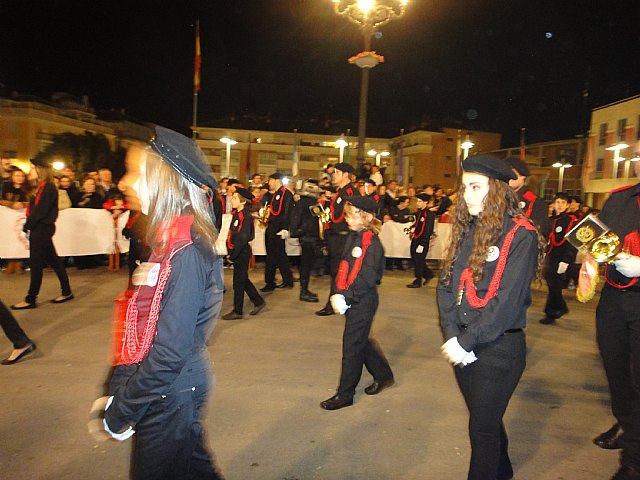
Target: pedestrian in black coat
pixel 420 238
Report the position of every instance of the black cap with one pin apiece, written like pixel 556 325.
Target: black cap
pixel 489 165
pixel 184 156
pixel 370 181
pixel 232 181
pixel 366 203
pixel 243 192
pixel 425 197
pixel 39 162
pixel 344 167
pixel 276 176
pixel 521 167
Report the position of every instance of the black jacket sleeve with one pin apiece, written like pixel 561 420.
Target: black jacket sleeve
pixel 46 211
pixel 242 234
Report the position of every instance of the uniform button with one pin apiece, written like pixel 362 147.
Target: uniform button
pixel 193 389
pixel 465 313
pixel 163 396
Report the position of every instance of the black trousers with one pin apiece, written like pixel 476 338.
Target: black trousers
pixel 242 283
pixel 170 442
pixel 307 260
pixel 11 329
pixel 276 257
pixel 618 334
pixel 42 252
pixel 335 243
pixel 419 261
pixel 487 386
pixel 358 349
pixel 556 282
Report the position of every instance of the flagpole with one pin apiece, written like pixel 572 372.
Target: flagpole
pixel 522 149
pixel 196 82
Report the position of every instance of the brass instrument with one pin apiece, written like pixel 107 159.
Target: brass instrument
pixel 263 215
pixel 592 236
pixel 409 230
pixel 324 216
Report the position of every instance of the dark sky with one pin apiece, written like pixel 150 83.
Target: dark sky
pixel 497 65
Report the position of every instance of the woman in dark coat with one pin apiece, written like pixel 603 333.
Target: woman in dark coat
pixel 42 213
pixel 483 296
pixel 162 375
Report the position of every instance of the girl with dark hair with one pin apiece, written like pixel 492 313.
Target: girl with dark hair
pixel 162 375
pixel 483 296
pixel 42 213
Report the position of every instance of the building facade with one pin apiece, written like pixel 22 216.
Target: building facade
pixel 613 148
pixel 417 158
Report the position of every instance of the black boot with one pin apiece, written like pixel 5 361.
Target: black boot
pixel 415 284
pixel 305 294
pixel 326 311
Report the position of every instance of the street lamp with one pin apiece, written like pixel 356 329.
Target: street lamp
pixel 368 15
pixel 617 158
pixel 341 143
pixel 228 142
pixel 374 153
pixel 561 166
pixel 466 146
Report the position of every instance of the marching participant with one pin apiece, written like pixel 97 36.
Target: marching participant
pixel 532 206
pixel 337 231
pixel 560 254
pixel 617 325
pixel 279 201
pixel 360 271
pixel 483 296
pixel 420 238
pixel 371 189
pixel 306 227
pixel 162 376
pixel 241 232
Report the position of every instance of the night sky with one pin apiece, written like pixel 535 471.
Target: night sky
pixel 496 65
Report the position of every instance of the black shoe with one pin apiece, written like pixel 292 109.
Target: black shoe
pixel 415 284
pixel 307 297
pixel 377 386
pixel 285 285
pixel 609 440
pixel 24 307
pixel 428 276
pixel 547 321
pixel 232 316
pixel 325 312
pixel 258 308
pixel 337 402
pixel 626 473
pixel 63 299
pixel 268 288
pixel 30 349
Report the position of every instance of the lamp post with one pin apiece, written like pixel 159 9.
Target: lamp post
pixel 341 143
pixel 374 153
pixel 466 146
pixel 617 158
pixel 228 142
pixel 561 166
pixel 368 15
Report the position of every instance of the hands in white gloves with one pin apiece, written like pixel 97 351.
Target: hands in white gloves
pixel 339 303
pixel 628 265
pixel 283 234
pixel 455 354
pixel 122 436
pixel 562 267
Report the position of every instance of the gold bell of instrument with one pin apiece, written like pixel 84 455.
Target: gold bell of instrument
pixel 263 215
pixel 324 217
pixel 605 248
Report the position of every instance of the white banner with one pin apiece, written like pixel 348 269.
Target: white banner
pixel 79 231
pixel 85 231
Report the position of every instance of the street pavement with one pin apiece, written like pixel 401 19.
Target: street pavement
pixel 272 370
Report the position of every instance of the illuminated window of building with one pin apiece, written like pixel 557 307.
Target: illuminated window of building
pixel 602 136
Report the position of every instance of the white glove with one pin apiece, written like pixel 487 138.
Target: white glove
pixel 562 267
pixel 339 303
pixel 469 358
pixel 283 234
pixel 121 437
pixel 454 353
pixel 628 265
pixel 419 249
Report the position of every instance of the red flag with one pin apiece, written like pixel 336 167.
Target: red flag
pixel 198 61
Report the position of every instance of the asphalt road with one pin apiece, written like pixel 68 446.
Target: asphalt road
pixel 272 370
